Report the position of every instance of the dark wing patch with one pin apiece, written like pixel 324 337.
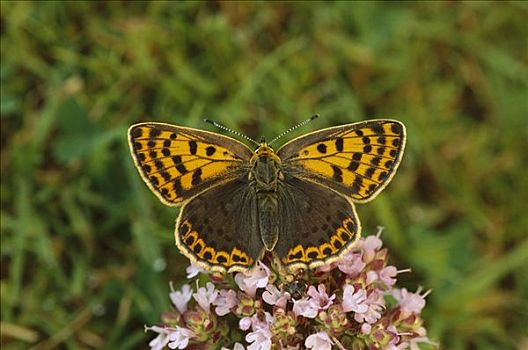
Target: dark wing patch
pixel 219 228
pixel 316 224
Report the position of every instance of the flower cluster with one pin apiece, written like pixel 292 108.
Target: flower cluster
pixel 350 304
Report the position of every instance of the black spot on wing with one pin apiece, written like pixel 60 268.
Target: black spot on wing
pixel 377 129
pixel 177 160
pixel 353 165
pixel 177 187
pixel 193 147
pixel 154 133
pixel 338 173
pixel 210 150
pixel 339 144
pixel 196 177
pixel 397 129
pixel 321 148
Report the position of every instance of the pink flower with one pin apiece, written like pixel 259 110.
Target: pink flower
pixel 181 298
pixel 366 328
pixel 319 341
pixel 372 276
pixel 260 339
pixel 352 263
pixel 244 323
pixel 387 275
pixel 161 340
pixel 410 303
pixel 319 298
pixel 261 335
pixel 304 307
pixel 204 297
pixel 354 301
pixel 179 339
pixel 342 302
pixel 193 270
pixel 255 322
pixel 375 303
pixel 225 301
pixel 174 338
pixel 370 246
pixel 421 338
pixel 253 279
pixel 273 296
pixel 310 307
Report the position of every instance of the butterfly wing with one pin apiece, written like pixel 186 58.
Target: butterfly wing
pixel 357 160
pixel 178 163
pixel 219 228
pixel 316 225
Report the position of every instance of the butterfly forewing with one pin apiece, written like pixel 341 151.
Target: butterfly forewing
pixel 178 163
pixel 357 160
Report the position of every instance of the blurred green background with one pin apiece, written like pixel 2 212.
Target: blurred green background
pixel 87 251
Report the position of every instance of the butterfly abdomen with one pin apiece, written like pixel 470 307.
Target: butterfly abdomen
pixel 268 222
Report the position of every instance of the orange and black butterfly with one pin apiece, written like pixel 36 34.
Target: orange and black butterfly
pixel 237 203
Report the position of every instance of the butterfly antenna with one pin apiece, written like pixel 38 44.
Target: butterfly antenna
pixel 220 126
pixel 315 116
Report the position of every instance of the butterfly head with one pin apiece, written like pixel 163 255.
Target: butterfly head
pixel 265 167
pixel 264 151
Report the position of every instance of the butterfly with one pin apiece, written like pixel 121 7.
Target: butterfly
pixel 237 203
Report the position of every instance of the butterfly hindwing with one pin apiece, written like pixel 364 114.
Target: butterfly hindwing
pixel 317 225
pixel 357 160
pixel 178 163
pixel 219 228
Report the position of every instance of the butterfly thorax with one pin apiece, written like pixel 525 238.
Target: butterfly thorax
pixel 265 169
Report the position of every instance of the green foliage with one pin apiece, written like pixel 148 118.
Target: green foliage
pixel 87 250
